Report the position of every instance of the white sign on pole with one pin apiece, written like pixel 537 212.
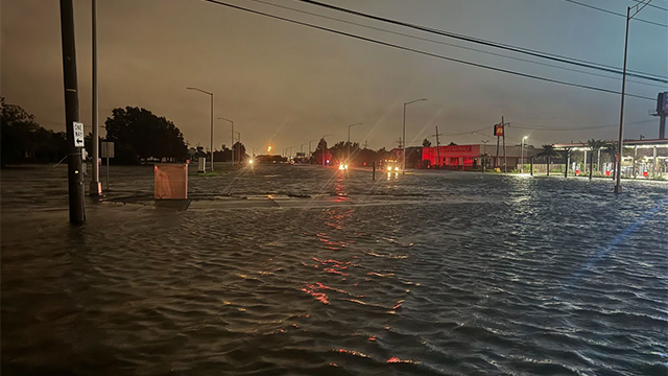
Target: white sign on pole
pixel 107 149
pixel 78 134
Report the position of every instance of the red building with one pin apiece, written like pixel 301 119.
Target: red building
pixel 454 156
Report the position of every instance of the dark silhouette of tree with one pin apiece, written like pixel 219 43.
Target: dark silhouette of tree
pixel 548 153
pixel 321 154
pixel 595 146
pixel 22 139
pixel 426 143
pixel 139 135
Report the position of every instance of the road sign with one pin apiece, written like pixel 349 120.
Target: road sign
pixel 498 130
pixel 107 149
pixel 78 134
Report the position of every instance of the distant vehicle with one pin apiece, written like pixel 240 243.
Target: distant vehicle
pixel 391 165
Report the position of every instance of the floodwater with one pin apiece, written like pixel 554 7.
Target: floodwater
pixel 444 273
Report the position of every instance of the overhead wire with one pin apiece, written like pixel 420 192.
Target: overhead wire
pixel 448 44
pixel 535 53
pixel 460 61
pixel 614 13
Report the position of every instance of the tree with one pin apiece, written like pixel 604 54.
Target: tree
pixel 239 152
pixel 611 149
pixel 548 153
pixel 426 143
pixel 321 154
pixel 140 135
pixel 23 138
pixel 595 146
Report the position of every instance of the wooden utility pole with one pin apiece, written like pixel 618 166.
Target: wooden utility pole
pixel 503 127
pixel 438 147
pixel 75 174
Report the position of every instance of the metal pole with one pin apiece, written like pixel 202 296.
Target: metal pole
pixel 232 136
pixel 438 149
pixel 107 173
pixel 212 150
pixel 95 185
pixel 662 127
pixel 403 147
pixel 74 164
pixel 503 126
pixel 373 174
pixel 350 126
pixel 620 145
pixel 522 158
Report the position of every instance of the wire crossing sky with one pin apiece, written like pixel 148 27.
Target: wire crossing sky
pixel 285 70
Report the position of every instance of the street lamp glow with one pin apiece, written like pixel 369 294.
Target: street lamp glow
pixel 269 149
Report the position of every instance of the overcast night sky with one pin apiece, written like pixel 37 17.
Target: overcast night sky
pixel 288 84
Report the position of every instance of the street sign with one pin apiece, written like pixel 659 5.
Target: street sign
pixel 498 130
pixel 107 149
pixel 78 134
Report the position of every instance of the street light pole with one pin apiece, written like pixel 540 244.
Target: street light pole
pixel 232 137
pixel 350 126
pixel 522 156
pixel 210 94
pixel 95 185
pixel 620 144
pixel 403 168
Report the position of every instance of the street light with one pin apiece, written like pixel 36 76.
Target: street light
pixel 524 139
pixel 403 169
pixel 484 157
pixel 620 144
pixel 210 94
pixel 309 147
pixel 232 122
pixel 350 126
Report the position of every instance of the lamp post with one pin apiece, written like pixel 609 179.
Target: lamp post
pixel 232 136
pixel 301 147
pixel 484 144
pixel 403 168
pixel 309 147
pixel 524 139
pixel 620 144
pixel 350 126
pixel 95 185
pixel 210 94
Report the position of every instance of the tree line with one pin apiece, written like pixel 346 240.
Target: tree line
pixel 139 136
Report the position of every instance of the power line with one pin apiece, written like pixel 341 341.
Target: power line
pixel 614 13
pixel 464 62
pixel 540 54
pixel 449 44
pixel 651 5
pixel 576 128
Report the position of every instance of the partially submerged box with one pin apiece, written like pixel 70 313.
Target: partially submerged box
pixel 171 181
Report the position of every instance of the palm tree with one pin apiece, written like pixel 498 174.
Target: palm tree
pixel 595 146
pixel 548 152
pixel 611 149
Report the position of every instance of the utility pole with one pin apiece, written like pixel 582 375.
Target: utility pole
pixel 95 184
pixel 503 126
pixel 75 176
pixel 496 160
pixel 403 168
pixel 438 147
pixel 350 126
pixel 620 144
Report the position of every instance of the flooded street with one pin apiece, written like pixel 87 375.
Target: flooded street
pixel 430 273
